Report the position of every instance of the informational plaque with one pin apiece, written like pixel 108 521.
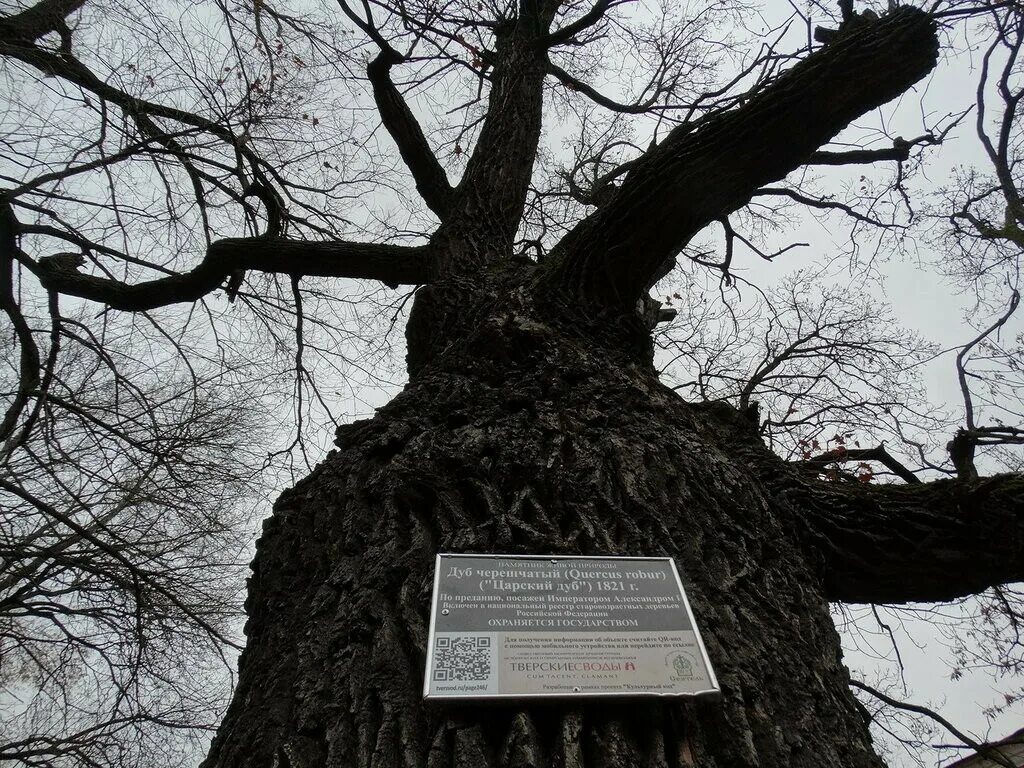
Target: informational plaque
pixel 515 626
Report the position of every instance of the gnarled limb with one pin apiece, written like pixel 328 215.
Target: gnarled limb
pixel 912 543
pixel 39 20
pixel 391 264
pixel 430 178
pixel 700 175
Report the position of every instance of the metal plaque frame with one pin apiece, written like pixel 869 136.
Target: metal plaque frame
pixel 713 690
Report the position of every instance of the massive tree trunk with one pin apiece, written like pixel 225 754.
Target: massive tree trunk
pixel 533 430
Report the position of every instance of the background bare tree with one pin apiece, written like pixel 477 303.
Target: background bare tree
pixel 831 373
pixel 126 484
pixel 135 447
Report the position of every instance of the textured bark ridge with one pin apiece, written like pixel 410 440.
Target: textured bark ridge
pixel 530 435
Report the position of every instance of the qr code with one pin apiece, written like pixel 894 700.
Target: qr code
pixel 462 658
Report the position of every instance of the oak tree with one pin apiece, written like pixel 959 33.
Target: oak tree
pixel 534 418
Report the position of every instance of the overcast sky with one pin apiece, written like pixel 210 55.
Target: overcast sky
pixel 925 301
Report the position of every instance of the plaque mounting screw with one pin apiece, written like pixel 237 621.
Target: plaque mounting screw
pixel 576 688
pixel 445 612
pixel 553 560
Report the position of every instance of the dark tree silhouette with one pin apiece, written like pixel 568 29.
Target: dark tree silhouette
pixel 534 419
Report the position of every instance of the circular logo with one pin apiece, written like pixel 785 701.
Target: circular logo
pixel 682 665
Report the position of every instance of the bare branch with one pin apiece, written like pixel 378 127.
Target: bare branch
pixel 584 22
pixel 667 197
pixel 821 203
pixel 391 264
pixel 878 453
pixel 113 552
pixel 985 750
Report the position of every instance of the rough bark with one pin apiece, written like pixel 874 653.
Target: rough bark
pixel 488 203
pixel 927 542
pixel 534 433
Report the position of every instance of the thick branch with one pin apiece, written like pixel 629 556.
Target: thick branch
pixel 391 264
pixel 898 152
pixel 29 359
pixel 698 176
pixel 488 202
pixel 878 453
pixel 913 543
pixel 583 23
pixel 41 19
pixel 431 180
